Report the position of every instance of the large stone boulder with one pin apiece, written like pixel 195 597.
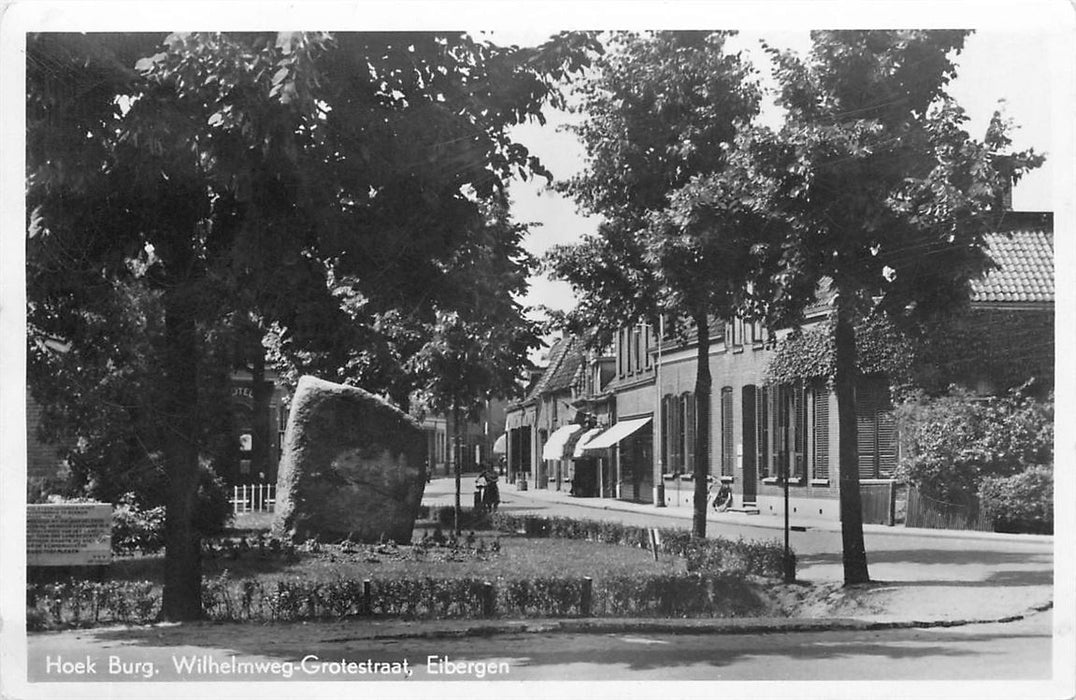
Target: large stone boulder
pixel 352 465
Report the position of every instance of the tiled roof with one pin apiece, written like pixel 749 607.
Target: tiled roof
pixel 556 354
pixel 564 374
pixel 1025 272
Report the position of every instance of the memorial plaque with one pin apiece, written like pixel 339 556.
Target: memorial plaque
pixel 68 534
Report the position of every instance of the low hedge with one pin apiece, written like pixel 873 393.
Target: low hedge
pixel 224 599
pixel 84 603
pixel 713 555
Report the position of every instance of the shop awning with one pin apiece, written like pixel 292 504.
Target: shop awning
pixel 581 443
pixel 615 434
pixel 554 446
pixel 500 445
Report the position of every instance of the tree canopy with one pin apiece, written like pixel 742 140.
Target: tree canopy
pixel 259 174
pixel 662 112
pixel 875 190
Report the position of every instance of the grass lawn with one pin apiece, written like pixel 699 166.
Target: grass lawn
pixel 518 557
pixel 250 577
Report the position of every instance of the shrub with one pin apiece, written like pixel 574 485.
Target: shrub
pixel 79 603
pixel 135 529
pixel 949 444
pixel 676 595
pixel 740 557
pixel 1020 503
pixel 213 509
pixel 470 519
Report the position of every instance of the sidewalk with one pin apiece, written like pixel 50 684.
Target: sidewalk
pixel 684 511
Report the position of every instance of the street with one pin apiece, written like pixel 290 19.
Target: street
pixel 1012 651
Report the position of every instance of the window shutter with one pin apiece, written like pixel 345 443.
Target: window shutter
pixel 681 457
pixel 689 432
pixel 887 443
pixel 866 431
pixel 799 470
pixel 821 432
pixel 664 447
pixel 727 452
pixel 782 411
pixel 762 423
pixel 675 439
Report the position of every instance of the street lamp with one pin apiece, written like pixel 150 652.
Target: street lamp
pixel 788 564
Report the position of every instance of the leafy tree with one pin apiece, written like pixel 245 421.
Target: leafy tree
pixel 251 170
pixel 478 350
pixel 661 113
pixel 878 191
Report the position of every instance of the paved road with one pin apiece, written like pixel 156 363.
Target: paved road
pixel 1013 651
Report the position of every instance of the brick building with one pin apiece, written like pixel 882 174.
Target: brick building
pixel 758 429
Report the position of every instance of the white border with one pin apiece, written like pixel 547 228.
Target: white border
pixel 1052 18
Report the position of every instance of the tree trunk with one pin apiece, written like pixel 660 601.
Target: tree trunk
pixel 844 379
pixel 261 395
pixel 456 458
pixel 702 424
pixel 182 599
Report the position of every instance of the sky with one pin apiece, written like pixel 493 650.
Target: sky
pixel 995 65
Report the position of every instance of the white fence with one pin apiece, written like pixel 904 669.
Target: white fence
pixel 253 498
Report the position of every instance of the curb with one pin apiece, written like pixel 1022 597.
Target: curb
pixel 686 626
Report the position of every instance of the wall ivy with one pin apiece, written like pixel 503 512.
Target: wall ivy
pixel 808 353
